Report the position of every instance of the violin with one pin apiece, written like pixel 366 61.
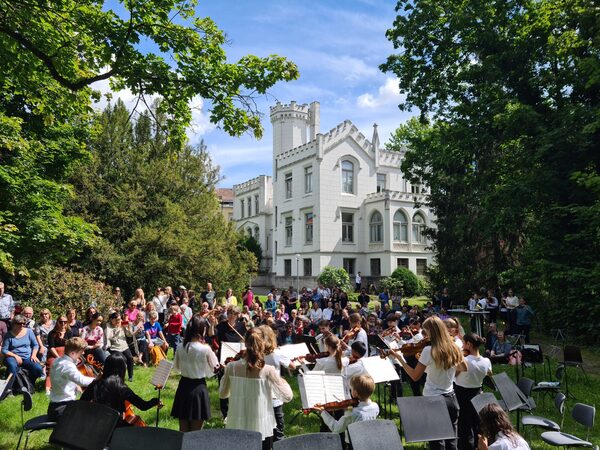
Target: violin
pixel 221 368
pixel 351 334
pixel 333 406
pixel 312 357
pixel 131 417
pixel 414 349
pixel 89 367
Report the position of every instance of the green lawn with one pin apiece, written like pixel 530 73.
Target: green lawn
pixel 585 392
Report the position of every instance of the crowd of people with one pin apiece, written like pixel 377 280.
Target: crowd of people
pixel 251 389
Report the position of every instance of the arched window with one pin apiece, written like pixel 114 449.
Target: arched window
pixel 347 177
pixel 249 231
pixel 418 229
pixel 400 227
pixel 256 233
pixel 376 227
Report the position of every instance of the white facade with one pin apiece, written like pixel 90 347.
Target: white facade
pixel 337 199
pixel 253 213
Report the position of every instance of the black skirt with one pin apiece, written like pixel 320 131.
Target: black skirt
pixel 191 400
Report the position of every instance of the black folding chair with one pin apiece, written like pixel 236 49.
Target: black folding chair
pixel 36 423
pixel 145 438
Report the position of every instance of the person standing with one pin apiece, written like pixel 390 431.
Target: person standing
pixel 358 281
pixel 248 297
pixel 7 306
pixel 209 295
pixel 510 303
pixel 196 362
pixel 250 385
pixel 467 385
pixel 441 361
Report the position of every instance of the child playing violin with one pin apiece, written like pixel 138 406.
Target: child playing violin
pixel 356 333
pixel 362 387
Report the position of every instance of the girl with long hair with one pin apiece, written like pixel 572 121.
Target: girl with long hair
pixel 250 385
pixel 139 298
pixel 196 362
pixel 441 361
pixel 497 429
pixel 110 389
pixel 336 361
pixel 56 345
pixel 116 340
pixel 467 385
pixel 93 334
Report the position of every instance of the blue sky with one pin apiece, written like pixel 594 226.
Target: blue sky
pixel 337 45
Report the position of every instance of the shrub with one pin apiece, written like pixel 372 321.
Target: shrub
pixel 332 277
pixel 410 282
pixel 58 288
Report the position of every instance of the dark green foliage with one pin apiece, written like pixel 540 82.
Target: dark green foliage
pixel 333 277
pixel 252 245
pixel 404 279
pixel 508 141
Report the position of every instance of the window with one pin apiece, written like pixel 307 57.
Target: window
pixel 249 231
pixel 400 227
pixel 347 177
pixel 308 228
pixel 402 262
pixel 287 267
pixel 288 231
pixel 256 208
pixel 418 229
pixel 421 267
pixel 417 189
pixel 307 267
pixel 349 265
pixel 249 206
pixel 308 180
pixel 288 185
pixel 380 182
pixel 376 227
pixel 256 233
pixel 347 227
pixel 242 203
pixel 375 267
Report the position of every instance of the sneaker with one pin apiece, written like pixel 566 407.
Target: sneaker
pixel 130 380
pixel 225 421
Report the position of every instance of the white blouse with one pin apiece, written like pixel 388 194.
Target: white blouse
pixel 329 365
pixel 197 361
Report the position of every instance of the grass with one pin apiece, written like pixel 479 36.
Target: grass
pixel 584 392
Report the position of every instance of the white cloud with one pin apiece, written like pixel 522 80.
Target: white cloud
pixel 387 93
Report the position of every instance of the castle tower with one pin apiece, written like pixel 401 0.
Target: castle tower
pixel 290 126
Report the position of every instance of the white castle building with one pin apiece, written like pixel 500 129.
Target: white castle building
pixel 334 199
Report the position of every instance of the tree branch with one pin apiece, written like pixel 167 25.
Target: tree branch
pixel 47 60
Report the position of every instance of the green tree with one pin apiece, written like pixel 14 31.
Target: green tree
pixel 52 52
pixel 252 245
pixel 156 208
pixel 507 141
pixel 333 277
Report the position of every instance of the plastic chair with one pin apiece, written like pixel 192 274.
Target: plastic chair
pixel 551 387
pixel 222 438
pixel 572 358
pixel 85 426
pixel 321 441
pixel 547 424
pixel 144 438
pixel 582 414
pixel 35 424
pixel 374 435
pixel 525 385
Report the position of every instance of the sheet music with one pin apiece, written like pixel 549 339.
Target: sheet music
pixel 294 350
pixel 319 387
pixel 230 349
pixel 380 369
pixel 161 374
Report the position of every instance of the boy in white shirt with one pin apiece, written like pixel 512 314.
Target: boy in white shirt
pixel 362 387
pixel 66 378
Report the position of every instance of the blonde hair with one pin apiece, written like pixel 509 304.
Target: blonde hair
pixel 363 385
pixel 255 349
pixel 333 343
pixel 75 344
pixel 269 338
pixel 444 352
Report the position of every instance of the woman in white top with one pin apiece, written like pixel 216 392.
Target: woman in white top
pixel 250 385
pixel 441 361
pixel 196 362
pixel 454 327
pixel 335 362
pixel 356 329
pixel 274 357
pixel 497 428
pixel 467 385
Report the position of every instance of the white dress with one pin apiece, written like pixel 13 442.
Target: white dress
pixel 251 397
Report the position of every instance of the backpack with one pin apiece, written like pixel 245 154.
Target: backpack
pixel 22 380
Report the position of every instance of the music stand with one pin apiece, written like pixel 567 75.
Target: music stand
pixel 159 379
pixel 484 399
pixel 311 343
pixel 425 418
pixel 513 398
pixel 5 386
